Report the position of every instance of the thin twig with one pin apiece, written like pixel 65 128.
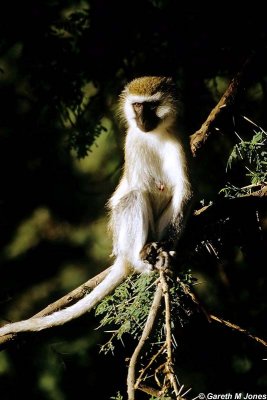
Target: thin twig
pixel 211 317
pixel 145 334
pixel 155 356
pixel 194 298
pixel 238 328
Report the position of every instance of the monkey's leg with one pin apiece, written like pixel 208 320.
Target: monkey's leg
pixel 131 220
pixel 171 222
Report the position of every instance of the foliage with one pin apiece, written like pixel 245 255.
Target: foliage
pixel 251 155
pixel 127 309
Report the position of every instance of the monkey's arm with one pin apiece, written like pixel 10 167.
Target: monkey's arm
pixel 114 278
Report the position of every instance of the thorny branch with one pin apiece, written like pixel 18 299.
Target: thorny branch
pixel 170 380
pixel 169 362
pixel 138 383
pixel 167 367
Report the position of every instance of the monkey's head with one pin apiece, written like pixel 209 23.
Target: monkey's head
pixel 149 101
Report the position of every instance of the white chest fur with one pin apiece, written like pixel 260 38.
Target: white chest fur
pixel 157 161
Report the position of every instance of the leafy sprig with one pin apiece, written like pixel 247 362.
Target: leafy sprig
pixel 251 156
pixel 126 310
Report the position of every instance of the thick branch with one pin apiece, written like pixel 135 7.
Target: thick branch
pixel 64 301
pixel 74 295
pixel 198 139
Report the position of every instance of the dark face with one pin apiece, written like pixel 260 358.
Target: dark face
pixel 145 113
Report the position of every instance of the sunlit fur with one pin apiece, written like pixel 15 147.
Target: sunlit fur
pixel 154 191
pixel 151 200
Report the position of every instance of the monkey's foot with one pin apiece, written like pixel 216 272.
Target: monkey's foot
pixel 150 252
pixel 153 252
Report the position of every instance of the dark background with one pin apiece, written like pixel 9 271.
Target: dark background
pixel 62 66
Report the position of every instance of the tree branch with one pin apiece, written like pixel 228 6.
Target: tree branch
pixel 64 301
pixel 198 139
pixel 138 383
pixel 238 328
pixel 211 317
pixel 169 363
pixel 145 334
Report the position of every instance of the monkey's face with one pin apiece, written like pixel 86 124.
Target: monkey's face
pixel 148 114
pixel 145 115
pixel 149 102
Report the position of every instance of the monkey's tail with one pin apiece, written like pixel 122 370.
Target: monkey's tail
pixel 117 274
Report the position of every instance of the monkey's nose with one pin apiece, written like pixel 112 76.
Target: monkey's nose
pixel 146 125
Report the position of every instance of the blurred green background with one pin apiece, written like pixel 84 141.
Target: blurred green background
pixel 62 66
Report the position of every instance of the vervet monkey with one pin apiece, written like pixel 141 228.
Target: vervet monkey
pixel 152 198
